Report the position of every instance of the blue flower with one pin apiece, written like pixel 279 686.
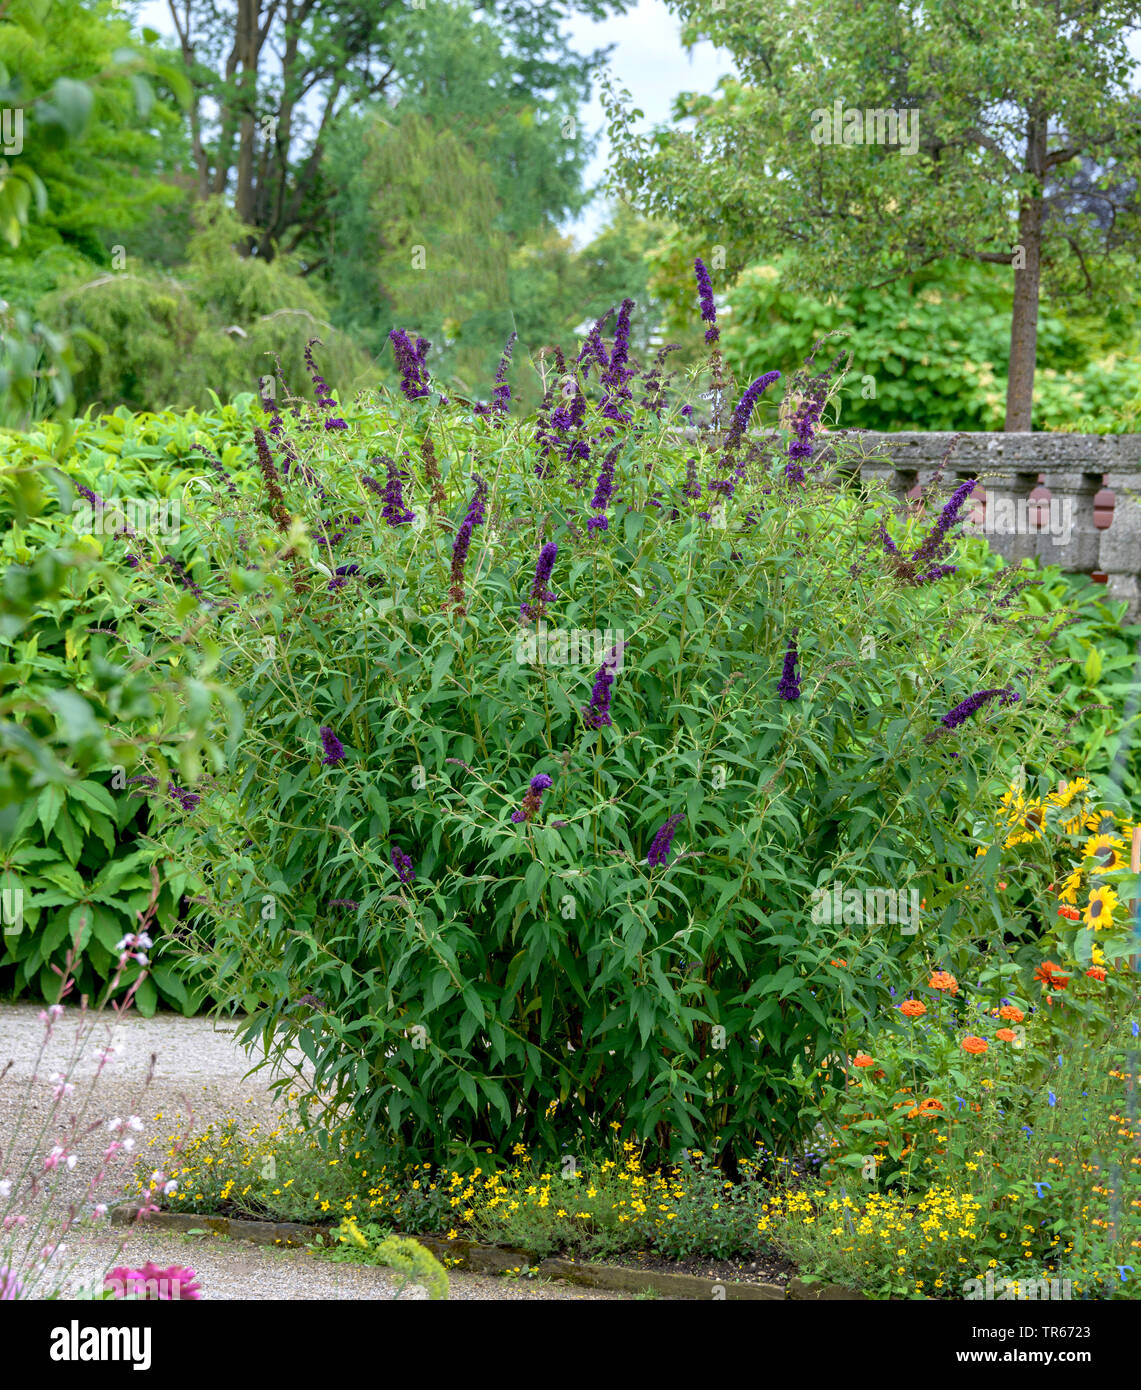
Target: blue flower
pixel 1038 1186
pixel 1052 1098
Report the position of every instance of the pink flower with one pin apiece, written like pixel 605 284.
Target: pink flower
pixel 10 1286
pixel 56 1156
pixel 154 1284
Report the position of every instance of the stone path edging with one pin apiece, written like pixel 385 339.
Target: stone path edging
pixel 476 1258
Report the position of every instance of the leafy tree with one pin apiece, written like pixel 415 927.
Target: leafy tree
pixel 281 74
pixel 996 108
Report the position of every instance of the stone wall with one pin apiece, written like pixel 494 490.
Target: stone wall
pixel 1074 467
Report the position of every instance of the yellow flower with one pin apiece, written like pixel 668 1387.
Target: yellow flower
pixel 1099 908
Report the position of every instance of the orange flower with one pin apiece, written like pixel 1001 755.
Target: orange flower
pixel 861 1059
pixel 913 1008
pixel 1012 1013
pixel 976 1046
pixel 943 979
pixel 930 1105
pixel 1051 975
pixel 1006 1035
pixel 839 962
pixel 1096 973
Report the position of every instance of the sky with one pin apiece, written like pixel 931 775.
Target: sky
pixel 651 64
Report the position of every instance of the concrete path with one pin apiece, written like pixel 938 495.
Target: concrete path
pixel 197 1073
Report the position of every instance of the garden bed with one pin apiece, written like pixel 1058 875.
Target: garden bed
pixel 687 1279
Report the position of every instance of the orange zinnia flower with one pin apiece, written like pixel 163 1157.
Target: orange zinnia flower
pixel 976 1046
pixel 943 979
pixel 930 1104
pixel 1012 1013
pixel 861 1059
pixel 913 1008
pixel 1006 1035
pixel 1051 975
pixel 1096 973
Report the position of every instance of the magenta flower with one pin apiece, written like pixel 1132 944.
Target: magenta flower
pixel 154 1284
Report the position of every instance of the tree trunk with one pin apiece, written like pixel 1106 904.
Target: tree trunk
pixel 1024 320
pixel 247 47
pixel 1027 278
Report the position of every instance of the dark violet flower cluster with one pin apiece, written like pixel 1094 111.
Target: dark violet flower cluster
pixel 597 712
pixel 593 349
pixel 789 687
pixel 705 295
pixel 603 491
pixel 923 565
pixel 535 607
pixel 325 401
pixel 804 426
pixel 937 543
pixel 340 577
pixel 182 576
pixel 187 800
pixel 334 748
pixel 215 464
pixel 501 395
pixel 745 406
pixel 965 708
pixel 394 511
pixel 659 853
pixel 93 497
pixel 414 376
pixel 618 372
pixel 532 802
pixel 402 864
pixel 476 515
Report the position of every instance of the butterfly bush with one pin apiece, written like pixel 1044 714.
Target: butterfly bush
pixel 746 659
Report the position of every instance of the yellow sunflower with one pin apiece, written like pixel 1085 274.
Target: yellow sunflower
pixel 1106 850
pixel 1099 909
pixel 1068 791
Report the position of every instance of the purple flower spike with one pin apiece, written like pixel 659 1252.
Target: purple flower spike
pixel 936 545
pixel 394 511
pixel 789 687
pixel 963 711
pixel 413 371
pixel 597 712
pixel 705 295
pixel 659 853
pixel 540 594
pixel 740 422
pixel 403 865
pixel 532 802
pixel 334 748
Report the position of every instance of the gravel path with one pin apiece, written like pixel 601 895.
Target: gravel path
pixel 197 1068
